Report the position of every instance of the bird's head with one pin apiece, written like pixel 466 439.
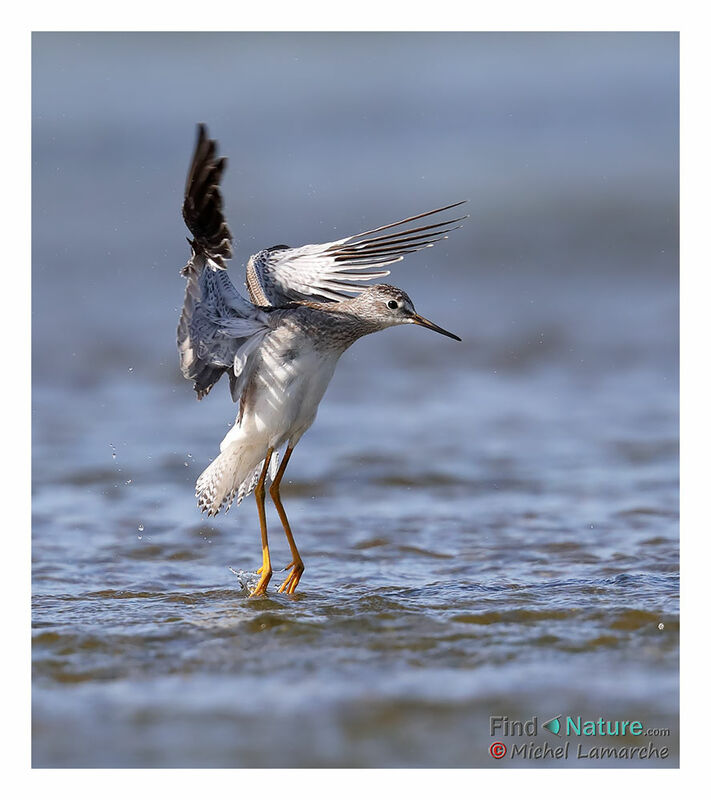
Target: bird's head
pixel 384 306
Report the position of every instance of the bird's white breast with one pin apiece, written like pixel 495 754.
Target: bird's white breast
pixel 289 381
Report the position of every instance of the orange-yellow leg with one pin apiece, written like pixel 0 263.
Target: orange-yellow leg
pixel 265 571
pixel 290 584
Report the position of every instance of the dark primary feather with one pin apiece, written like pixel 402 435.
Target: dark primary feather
pixel 417 216
pixel 202 205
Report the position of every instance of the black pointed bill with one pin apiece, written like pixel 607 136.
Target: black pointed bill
pixel 418 320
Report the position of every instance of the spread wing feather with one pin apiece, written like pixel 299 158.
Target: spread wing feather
pixel 335 270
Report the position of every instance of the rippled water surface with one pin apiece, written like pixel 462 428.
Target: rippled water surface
pixel 489 528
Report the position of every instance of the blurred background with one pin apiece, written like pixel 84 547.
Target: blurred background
pixel 488 527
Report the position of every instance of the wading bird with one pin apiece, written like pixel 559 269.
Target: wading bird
pixel 280 350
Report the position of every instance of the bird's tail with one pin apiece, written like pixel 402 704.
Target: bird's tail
pixel 234 473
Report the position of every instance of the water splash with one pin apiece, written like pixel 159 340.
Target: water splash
pixel 248 580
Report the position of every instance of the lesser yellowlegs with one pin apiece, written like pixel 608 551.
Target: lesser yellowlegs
pixel 280 350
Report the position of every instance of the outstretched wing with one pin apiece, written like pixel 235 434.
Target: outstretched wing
pixel 218 328
pixel 335 270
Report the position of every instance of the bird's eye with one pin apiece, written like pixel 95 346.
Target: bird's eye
pixel 393 304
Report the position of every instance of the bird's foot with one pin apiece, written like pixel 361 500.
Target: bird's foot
pixel 262 583
pixel 290 584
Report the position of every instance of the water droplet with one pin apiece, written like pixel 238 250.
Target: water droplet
pixel 660 626
pixel 185 463
pixel 140 526
pixel 130 369
pixel 128 481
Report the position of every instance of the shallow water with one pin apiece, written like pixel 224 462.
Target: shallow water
pixel 489 528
